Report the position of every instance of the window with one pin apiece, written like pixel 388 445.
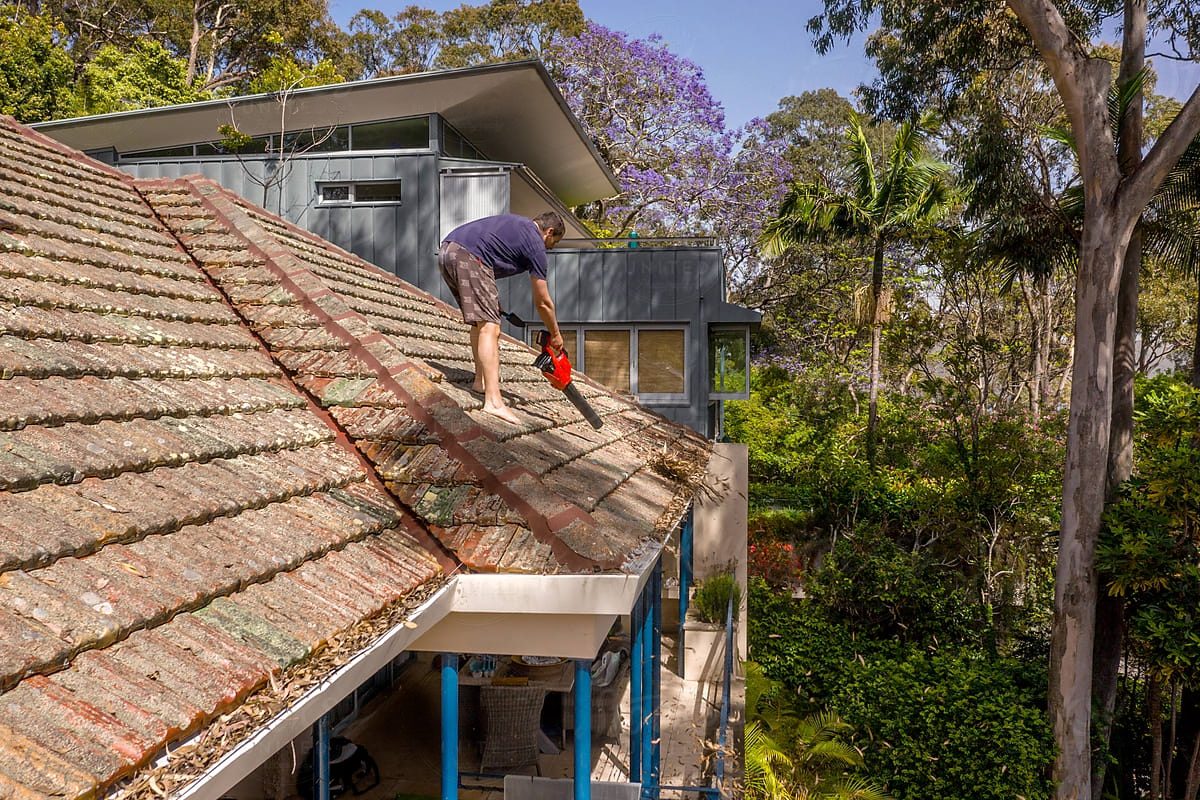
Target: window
pixel 649 362
pixel 360 193
pixel 317 140
pixel 394 134
pixel 606 356
pixel 729 377
pixel 165 152
pixel 660 362
pixel 259 144
pixel 456 145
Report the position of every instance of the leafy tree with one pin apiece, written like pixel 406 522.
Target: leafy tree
pixel 142 77
pixel 285 74
pixel 1150 560
pixel 655 123
pixel 880 208
pixel 946 43
pixel 408 42
pixel 506 30
pixel 36 73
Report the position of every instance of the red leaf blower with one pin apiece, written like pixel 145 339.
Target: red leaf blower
pixel 557 369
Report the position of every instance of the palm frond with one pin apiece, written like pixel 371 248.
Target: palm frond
pixel 809 213
pixel 1121 97
pixel 852 787
pixel 861 162
pixel 768 768
pixel 1180 190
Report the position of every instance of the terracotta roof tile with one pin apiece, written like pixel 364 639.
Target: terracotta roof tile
pixel 427 438
pixel 179 520
pixel 160 478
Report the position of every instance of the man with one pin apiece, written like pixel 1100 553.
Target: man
pixel 472 257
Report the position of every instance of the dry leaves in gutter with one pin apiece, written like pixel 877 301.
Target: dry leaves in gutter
pixel 190 760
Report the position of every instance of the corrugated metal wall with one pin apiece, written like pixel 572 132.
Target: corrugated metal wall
pixel 472 195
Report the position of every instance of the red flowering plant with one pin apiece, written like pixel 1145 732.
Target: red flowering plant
pixel 775 562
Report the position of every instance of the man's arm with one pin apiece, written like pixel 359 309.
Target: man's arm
pixel 545 309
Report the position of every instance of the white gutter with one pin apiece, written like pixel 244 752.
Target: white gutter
pixel 597 595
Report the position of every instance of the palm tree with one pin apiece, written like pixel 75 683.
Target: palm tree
pixel 798 758
pixel 880 208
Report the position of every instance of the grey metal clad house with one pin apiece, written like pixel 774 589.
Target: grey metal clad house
pixel 385 167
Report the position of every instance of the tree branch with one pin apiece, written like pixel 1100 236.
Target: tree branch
pixel 1141 185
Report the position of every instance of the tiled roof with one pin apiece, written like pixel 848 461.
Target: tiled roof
pixel 392 365
pixel 178 522
pixel 225 443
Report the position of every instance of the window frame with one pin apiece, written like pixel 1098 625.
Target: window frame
pixel 745 393
pixel 352 199
pixel 578 361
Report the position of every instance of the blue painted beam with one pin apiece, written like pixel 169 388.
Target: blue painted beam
pixel 321 758
pixel 636 654
pixel 449 726
pixel 583 729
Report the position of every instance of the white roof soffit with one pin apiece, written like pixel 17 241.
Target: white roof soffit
pixel 511 112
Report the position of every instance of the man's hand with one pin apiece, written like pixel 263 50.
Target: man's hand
pixel 556 340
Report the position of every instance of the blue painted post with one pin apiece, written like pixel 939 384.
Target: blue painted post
pixel 725 692
pixel 449 726
pixel 656 683
pixel 583 729
pixel 647 709
pixel 321 758
pixel 685 575
pixel 636 654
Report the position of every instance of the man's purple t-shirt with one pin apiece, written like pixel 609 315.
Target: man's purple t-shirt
pixel 508 243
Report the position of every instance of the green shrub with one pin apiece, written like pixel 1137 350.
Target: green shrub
pixel 711 599
pixel 881 591
pixel 951 726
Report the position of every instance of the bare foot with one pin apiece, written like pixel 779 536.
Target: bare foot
pixel 503 412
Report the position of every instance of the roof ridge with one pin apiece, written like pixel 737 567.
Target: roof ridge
pixel 547 513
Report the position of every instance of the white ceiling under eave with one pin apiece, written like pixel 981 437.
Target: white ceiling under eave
pixel 511 112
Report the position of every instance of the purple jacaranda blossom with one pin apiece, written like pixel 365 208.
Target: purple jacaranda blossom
pixel 681 171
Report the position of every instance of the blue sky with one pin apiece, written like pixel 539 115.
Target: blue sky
pixel 753 52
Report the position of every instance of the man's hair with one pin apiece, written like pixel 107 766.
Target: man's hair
pixel 551 221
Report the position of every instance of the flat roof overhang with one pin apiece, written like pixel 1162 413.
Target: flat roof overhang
pixel 511 112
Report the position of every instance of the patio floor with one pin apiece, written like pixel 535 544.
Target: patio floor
pixel 401 731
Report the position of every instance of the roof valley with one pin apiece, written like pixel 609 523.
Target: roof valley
pixel 419 531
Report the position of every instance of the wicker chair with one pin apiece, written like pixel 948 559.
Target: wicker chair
pixel 511 718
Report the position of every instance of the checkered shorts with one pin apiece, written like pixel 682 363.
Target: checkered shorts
pixel 472 283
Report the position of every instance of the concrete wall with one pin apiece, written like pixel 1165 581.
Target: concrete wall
pixel 720 519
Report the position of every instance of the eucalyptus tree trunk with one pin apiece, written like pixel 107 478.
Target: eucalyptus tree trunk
pixel 1110 611
pixel 1112 205
pixel 876 337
